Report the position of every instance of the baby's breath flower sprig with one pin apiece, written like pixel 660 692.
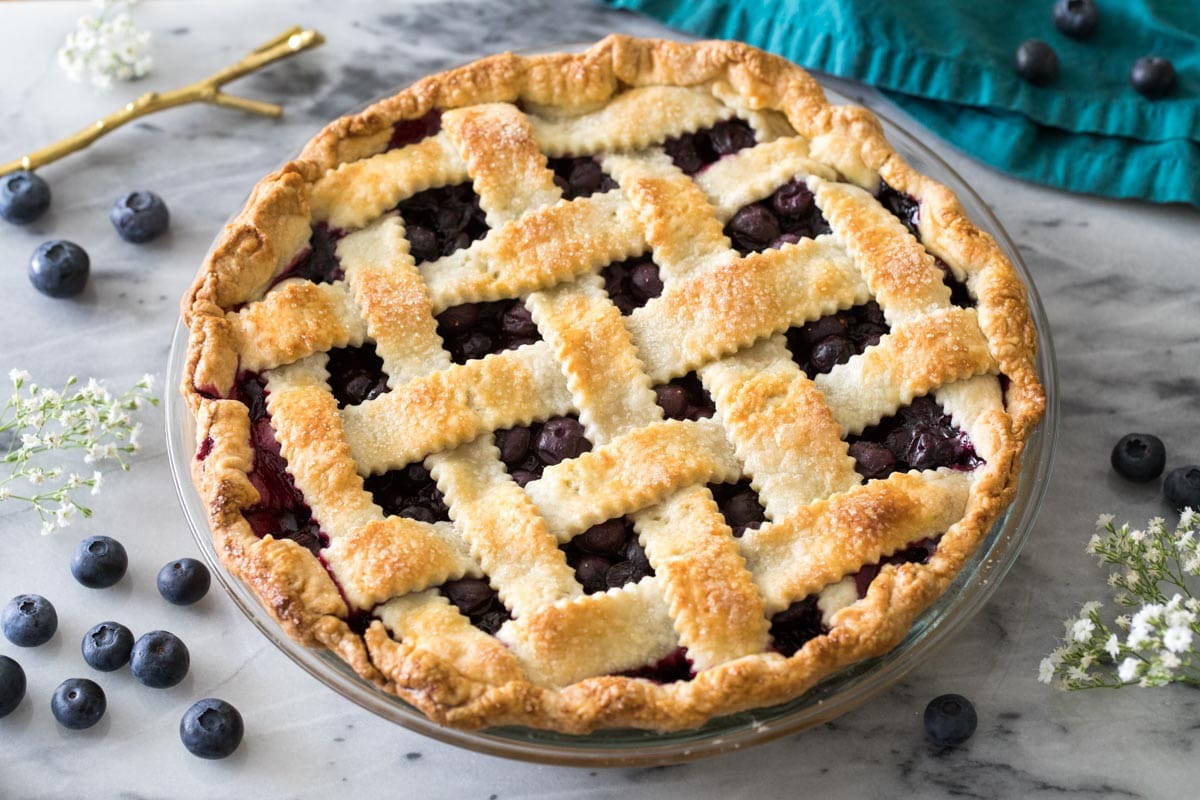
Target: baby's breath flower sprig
pixel 1152 570
pixel 106 46
pixel 39 423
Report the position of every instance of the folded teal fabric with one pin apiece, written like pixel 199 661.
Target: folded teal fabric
pixel 950 65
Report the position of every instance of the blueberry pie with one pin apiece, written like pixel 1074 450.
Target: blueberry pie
pixel 630 387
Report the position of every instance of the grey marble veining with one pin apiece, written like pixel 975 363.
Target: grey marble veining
pixel 1120 285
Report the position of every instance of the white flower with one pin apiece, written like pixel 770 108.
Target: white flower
pixel 1112 646
pixel 64 515
pixel 1093 544
pixel 18 377
pixel 1081 631
pixel 5 493
pixel 1169 660
pixel 1046 671
pixel 97 480
pixel 1104 520
pixel 29 441
pixel 1128 670
pixel 1089 608
pixel 1188 518
pixel 1177 638
pixel 106 46
pixel 1138 536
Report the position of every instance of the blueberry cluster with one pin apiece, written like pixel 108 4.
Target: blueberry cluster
pixel 796 625
pixel 442 220
pixel 692 152
pixel 528 449
pixel 1141 457
pixel 608 556
pixel 918 436
pixel 318 262
pixel 632 283
pixel 580 176
pixel 477 601
pixel 411 131
pixel 356 374
pixel 738 504
pixel 918 552
pixel 685 398
pixel 787 216
pixel 408 492
pixel 474 330
pixel 820 345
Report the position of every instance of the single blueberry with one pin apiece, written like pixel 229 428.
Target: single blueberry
pixel 742 511
pixel 645 279
pixel 139 216
pixel 211 728
pixel 78 703
pixel 673 399
pixel 29 620
pixel 793 200
pixel 517 321
pixel 472 596
pixel 107 646
pixel 585 178
pixel 950 720
pixel 1139 457
pixel 829 352
pixel 1076 18
pixel 159 660
pixel 561 438
pixel 1182 487
pixel 592 573
pixel 872 460
pixel 12 685
pixel 753 228
pixel 59 268
pixel 513 444
pixel 24 197
pixel 99 562
pixel 730 136
pixel 605 539
pixel 1152 76
pixel 184 581
pixel 422 243
pixel 1037 62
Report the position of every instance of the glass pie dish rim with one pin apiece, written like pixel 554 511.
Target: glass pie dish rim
pixel 834 696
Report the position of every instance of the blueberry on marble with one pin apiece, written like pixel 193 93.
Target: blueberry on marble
pixel 1037 62
pixel 29 620
pixel 1182 487
pixel 1152 76
pixel 139 216
pixel 950 720
pixel 107 646
pixel 24 197
pixel 99 562
pixel 159 660
pixel 1076 18
pixel 12 685
pixel 211 728
pixel 183 581
pixel 59 268
pixel 1139 457
pixel 78 703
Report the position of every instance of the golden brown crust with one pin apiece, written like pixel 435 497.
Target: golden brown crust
pixel 723 314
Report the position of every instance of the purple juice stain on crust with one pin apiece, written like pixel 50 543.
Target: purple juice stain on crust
pixel 474 330
pixel 580 176
pixel 411 131
pixel 918 552
pixel 795 625
pixel 785 217
pixel 408 492
pixel 632 283
pixel 527 450
pixel 442 220
pixel 903 206
pixel 692 152
pixel 738 504
pixel 205 448
pixel 356 374
pixel 820 345
pixel 918 436
pixel 477 601
pixel 319 263
pixel 608 556
pixel 671 668
pixel 685 398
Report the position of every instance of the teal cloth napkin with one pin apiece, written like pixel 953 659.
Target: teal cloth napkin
pixel 949 64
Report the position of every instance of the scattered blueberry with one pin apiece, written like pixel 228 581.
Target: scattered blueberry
pixel 1139 457
pixel 1152 76
pixel 99 562
pixel 1076 18
pixel 12 685
pixel 950 720
pixel 24 197
pixel 1037 62
pixel 211 728
pixel 29 620
pixel 159 660
pixel 1182 487
pixel 107 646
pixel 78 703
pixel 139 216
pixel 183 582
pixel 59 268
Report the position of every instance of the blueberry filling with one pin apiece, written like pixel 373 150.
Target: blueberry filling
pixel 319 263
pixel 795 625
pixel 281 511
pixel 356 374
pixel 527 450
pixel 608 556
pixel 788 215
pixel 822 344
pixel 903 206
pixel 685 398
pixel 411 131
pixel 580 176
pixel 674 666
pixel 442 220
pixel 632 283
pixel 474 330
pixel 477 601
pixel 918 552
pixel 959 295
pixel 738 503
pixel 919 436
pixel 692 152
pixel 408 492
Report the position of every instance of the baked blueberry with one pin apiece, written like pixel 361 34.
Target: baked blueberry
pixel 1182 487
pixel 99 562
pixel 1076 18
pixel 139 216
pixel 950 720
pixel 107 646
pixel 24 197
pixel 211 728
pixel 12 685
pixel 1139 457
pixel 59 268
pixel 1037 62
pixel 29 620
pixel 1152 76
pixel 78 703
pixel 159 660
pixel 183 581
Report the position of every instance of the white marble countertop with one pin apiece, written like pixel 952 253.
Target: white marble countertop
pixel 1120 285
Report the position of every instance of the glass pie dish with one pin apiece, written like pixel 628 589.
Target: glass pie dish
pixel 626 747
